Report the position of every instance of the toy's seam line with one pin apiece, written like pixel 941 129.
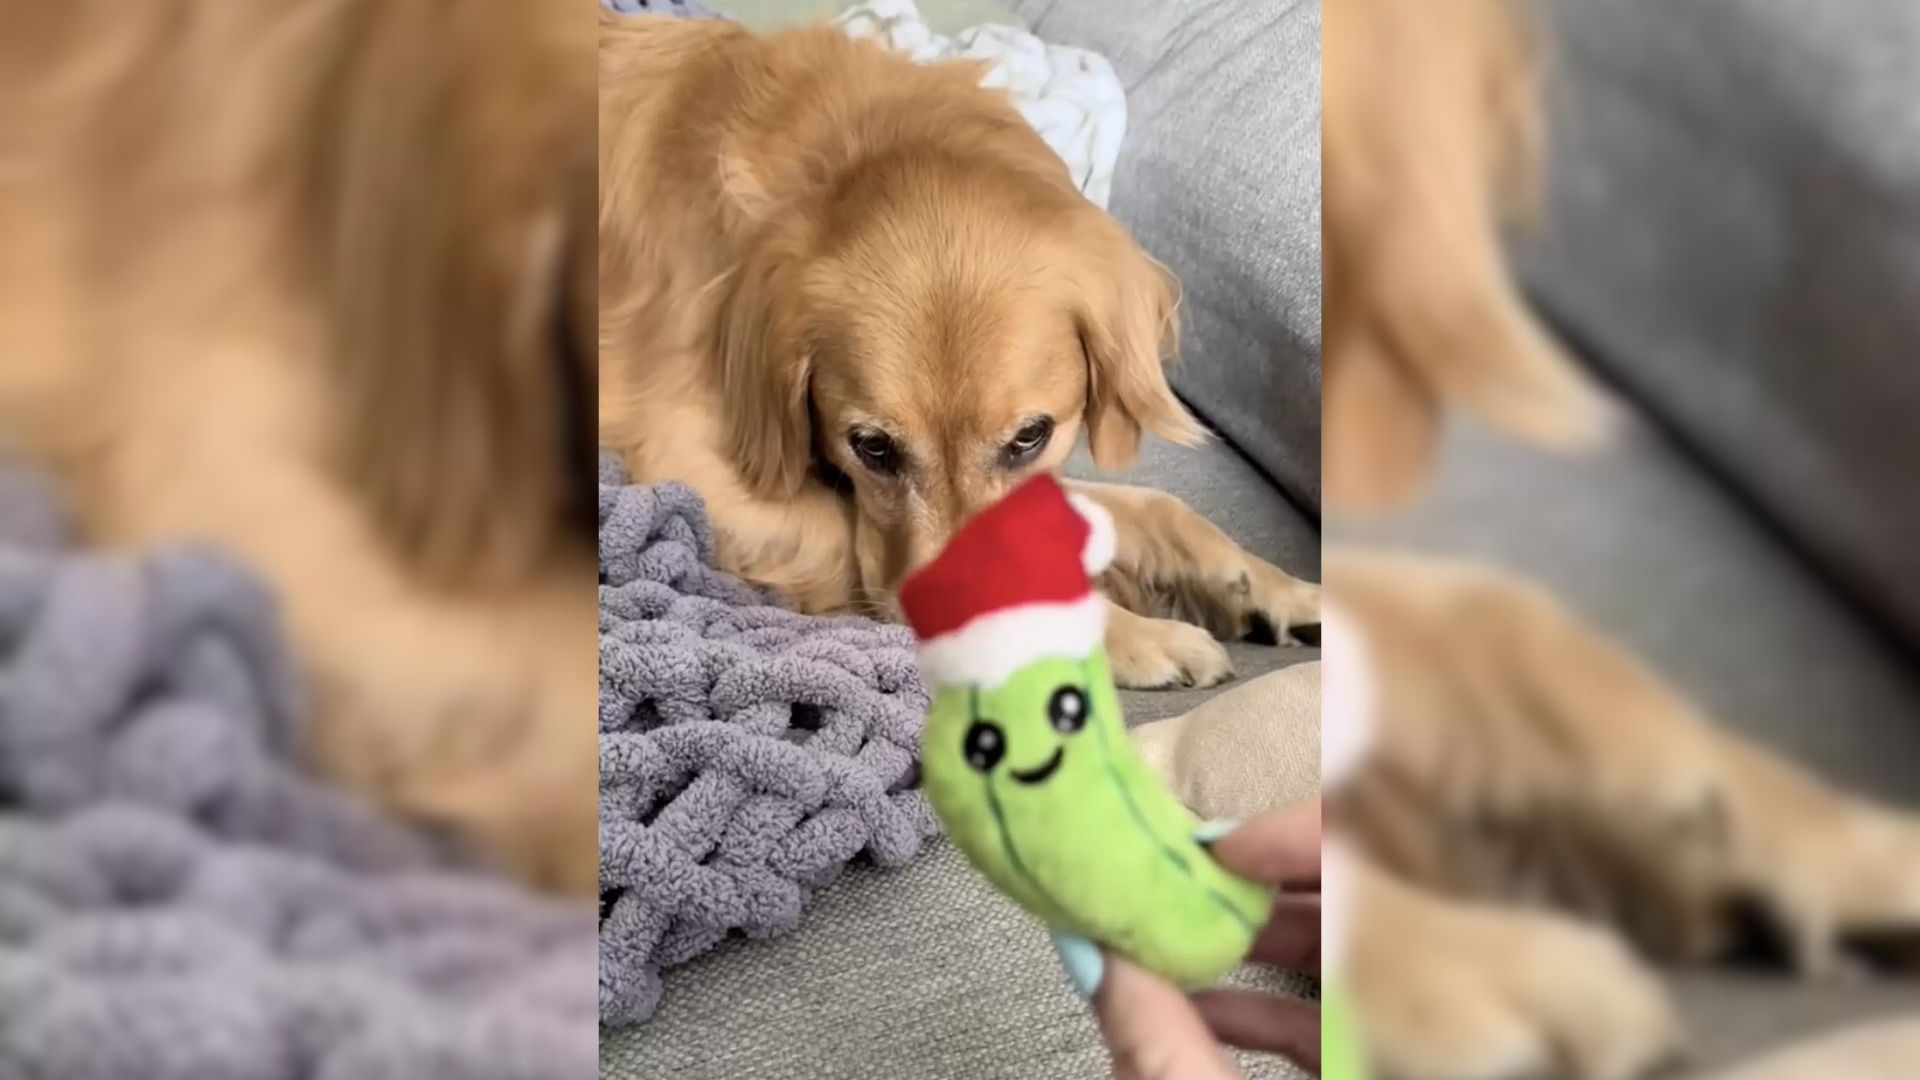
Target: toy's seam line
pixel 1140 820
pixel 1226 905
pixel 1000 818
pixel 1013 853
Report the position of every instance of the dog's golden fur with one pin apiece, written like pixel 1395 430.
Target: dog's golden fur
pixel 299 279
pixel 1523 753
pixel 809 246
pixel 1535 798
pixel 1526 769
pixel 1430 129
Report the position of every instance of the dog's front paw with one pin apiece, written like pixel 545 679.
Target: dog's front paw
pixel 1842 887
pixel 1252 601
pixel 1156 654
pixel 1281 609
pixel 1455 992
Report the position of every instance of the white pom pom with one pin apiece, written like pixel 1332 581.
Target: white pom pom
pixel 1347 703
pixel 1098 552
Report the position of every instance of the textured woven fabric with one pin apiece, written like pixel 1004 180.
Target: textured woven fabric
pixel 747 753
pixel 178 901
pixel 943 16
pixel 686 9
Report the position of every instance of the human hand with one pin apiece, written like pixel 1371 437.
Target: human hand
pixel 1155 1032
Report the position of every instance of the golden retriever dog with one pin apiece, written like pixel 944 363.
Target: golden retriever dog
pixel 312 281
pixel 851 300
pixel 1539 816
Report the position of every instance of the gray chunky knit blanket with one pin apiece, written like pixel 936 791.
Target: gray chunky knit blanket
pixel 179 901
pixel 747 753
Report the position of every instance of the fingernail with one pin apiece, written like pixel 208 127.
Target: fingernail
pixel 1082 960
pixel 1206 833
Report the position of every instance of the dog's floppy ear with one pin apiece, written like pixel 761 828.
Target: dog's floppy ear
pixel 1128 330
pixel 448 196
pixel 764 371
pixel 1429 140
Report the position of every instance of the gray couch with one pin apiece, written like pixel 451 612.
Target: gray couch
pixel 1734 243
pixel 923 971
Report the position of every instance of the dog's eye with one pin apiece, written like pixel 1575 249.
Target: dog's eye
pixel 875 449
pixel 1029 440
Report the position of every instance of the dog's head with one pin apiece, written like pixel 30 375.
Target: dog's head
pixel 934 320
pixel 453 202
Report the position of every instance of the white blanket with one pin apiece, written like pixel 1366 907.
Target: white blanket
pixel 1070 96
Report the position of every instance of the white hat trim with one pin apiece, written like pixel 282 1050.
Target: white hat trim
pixel 988 648
pixel 1101 541
pixel 1347 719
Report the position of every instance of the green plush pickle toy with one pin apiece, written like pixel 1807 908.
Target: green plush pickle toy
pixel 1025 758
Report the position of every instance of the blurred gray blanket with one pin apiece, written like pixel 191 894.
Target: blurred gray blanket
pixel 747 753
pixel 178 901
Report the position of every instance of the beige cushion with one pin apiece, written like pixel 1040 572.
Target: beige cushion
pixel 1880 1051
pixel 1253 748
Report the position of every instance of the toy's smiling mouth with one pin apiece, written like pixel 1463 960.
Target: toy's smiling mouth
pixel 1035 775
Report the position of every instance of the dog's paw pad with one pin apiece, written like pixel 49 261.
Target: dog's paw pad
pixel 1158 654
pixel 1279 610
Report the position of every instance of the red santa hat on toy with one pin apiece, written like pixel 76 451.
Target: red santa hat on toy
pixel 1013 585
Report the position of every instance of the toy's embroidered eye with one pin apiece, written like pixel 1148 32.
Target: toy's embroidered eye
pixel 985 746
pixel 1067 710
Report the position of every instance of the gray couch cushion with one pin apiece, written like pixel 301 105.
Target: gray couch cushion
pixel 926 971
pixel 1735 193
pixel 1219 178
